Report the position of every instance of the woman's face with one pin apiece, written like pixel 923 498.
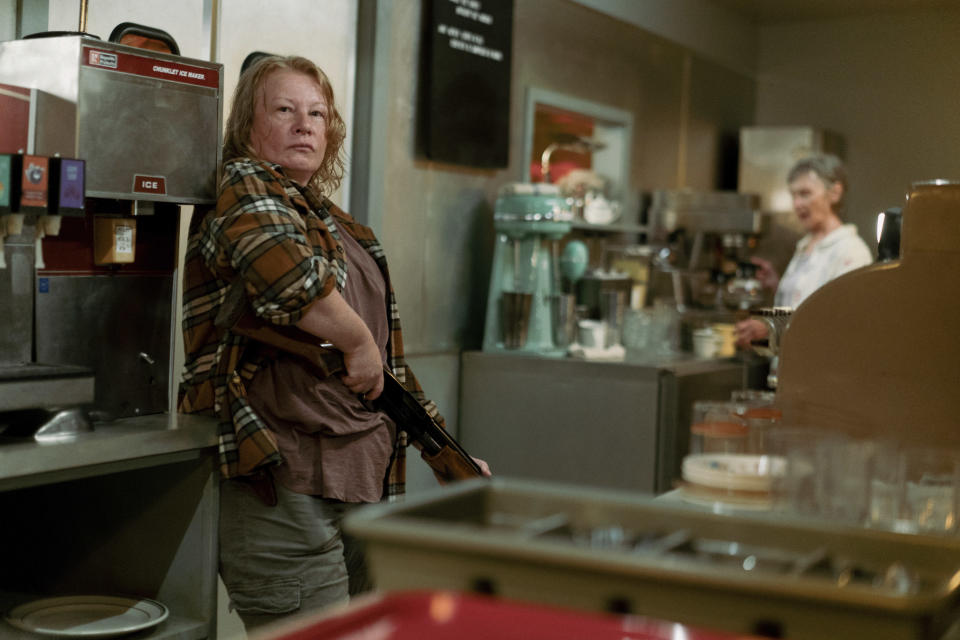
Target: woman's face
pixel 290 124
pixel 813 201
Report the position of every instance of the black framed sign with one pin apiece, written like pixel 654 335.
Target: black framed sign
pixel 464 113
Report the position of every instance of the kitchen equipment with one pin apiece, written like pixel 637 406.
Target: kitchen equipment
pixel 130 116
pixel 743 291
pixel 106 95
pixel 777 320
pixel 701 236
pixel 602 550
pixel 889 224
pixel 529 221
pixel 620 424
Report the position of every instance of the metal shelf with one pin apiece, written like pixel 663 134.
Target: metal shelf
pixel 581 225
pixel 129 508
pixel 116 446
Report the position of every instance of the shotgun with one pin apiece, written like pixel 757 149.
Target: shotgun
pixel 441 451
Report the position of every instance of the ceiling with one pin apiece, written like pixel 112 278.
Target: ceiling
pixel 771 11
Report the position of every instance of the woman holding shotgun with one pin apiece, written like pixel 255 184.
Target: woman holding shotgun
pixel 298 449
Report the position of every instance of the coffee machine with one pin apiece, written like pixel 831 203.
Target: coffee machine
pixel 89 290
pixel 702 240
pixel 527 312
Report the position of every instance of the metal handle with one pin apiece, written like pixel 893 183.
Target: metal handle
pixel 83 16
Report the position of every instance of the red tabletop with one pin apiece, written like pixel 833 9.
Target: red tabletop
pixel 428 615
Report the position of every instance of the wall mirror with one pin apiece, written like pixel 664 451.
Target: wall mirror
pixel 564 134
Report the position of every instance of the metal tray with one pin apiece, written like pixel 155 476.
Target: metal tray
pixel 616 551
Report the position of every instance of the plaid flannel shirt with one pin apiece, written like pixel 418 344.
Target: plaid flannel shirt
pixel 282 242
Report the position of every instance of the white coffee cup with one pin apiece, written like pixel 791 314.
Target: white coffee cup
pixel 592 334
pixel 704 343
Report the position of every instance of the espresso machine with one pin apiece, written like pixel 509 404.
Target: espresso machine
pixel 88 280
pixel 527 312
pixel 701 241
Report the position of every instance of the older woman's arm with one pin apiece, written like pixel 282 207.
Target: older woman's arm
pixel 331 318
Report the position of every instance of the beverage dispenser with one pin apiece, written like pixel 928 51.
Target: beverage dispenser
pixel 92 284
pixel 704 238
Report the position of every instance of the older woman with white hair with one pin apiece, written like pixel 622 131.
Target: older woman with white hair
pixel 829 248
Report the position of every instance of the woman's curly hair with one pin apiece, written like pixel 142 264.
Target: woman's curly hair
pixel 236 142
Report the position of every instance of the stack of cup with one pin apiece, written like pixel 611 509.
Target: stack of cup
pixel 718 427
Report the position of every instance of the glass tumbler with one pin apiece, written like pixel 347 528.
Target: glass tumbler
pixel 930 491
pixel 795 491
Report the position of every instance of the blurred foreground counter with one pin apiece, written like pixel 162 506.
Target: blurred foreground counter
pixel 435 615
pixel 602 552
pixel 620 425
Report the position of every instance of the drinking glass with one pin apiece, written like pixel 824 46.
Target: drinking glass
pixel 930 491
pixel 795 491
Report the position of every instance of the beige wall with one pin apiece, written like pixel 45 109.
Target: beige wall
pixel 437 219
pixel 888 83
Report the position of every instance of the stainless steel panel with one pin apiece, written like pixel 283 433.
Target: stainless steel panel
pixel 129 125
pixel 16 299
pixel 619 425
pixel 561 420
pixel 708 211
pixel 33 394
pixel 678 392
pixel 119 326
pixel 123 124
pixel 58 133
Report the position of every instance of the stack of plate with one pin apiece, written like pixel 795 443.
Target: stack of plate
pixel 87 616
pixel 738 480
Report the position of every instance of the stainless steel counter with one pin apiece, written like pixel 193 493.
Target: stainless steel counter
pixel 114 446
pixel 621 425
